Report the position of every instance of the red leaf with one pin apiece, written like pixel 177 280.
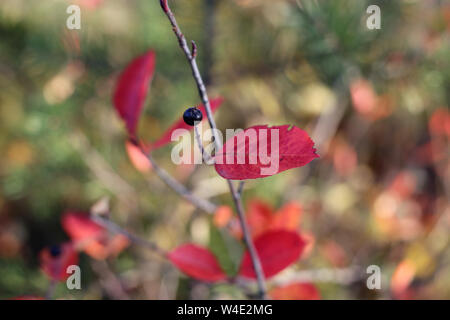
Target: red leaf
pixel 197 262
pixel 180 124
pixel 276 249
pixel 295 149
pixel 287 217
pixel 54 262
pixel 27 297
pixel 91 237
pixel 295 291
pixel 259 217
pixel 132 88
pixel 137 157
pixel 80 227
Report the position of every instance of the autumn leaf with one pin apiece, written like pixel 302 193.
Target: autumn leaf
pixel 222 216
pixel 287 217
pixel 27 297
pixel 91 237
pixel 295 291
pixel 276 250
pixel 258 216
pixel 138 158
pixel 55 260
pixel 197 262
pixel 263 151
pixel 131 90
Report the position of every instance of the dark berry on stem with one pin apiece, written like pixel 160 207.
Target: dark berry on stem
pixel 192 115
pixel 55 251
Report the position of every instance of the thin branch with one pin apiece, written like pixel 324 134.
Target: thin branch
pixel 51 289
pixel 240 188
pixel 203 204
pixel 249 242
pixel 114 228
pixel 218 144
pixel 205 156
pixel 111 283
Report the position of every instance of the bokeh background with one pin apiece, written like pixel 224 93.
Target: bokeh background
pixel 376 103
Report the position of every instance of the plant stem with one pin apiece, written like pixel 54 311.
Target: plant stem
pixel 114 228
pixel 203 204
pixel 205 100
pixel 51 289
pixel 205 156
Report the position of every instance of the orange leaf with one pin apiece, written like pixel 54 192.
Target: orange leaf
pixel 222 216
pixel 295 291
pixel 287 217
pixel 137 158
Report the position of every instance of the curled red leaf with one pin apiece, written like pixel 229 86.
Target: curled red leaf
pixel 276 250
pixel 262 151
pixel 197 262
pixel 132 88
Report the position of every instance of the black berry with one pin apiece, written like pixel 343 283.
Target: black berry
pixel 55 251
pixel 192 115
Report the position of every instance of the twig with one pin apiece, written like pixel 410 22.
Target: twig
pixel 114 228
pixel 101 168
pixel 205 156
pixel 203 204
pixel 110 281
pixel 240 188
pixel 51 289
pixel 205 100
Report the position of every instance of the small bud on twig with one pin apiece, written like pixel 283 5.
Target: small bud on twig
pixel 194 49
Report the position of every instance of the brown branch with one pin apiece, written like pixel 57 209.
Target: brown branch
pixel 114 228
pixel 205 100
pixel 202 204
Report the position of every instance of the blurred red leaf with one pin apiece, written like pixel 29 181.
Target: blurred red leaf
pixel 276 249
pixel 197 262
pixel 295 291
pixel 55 260
pixel 402 278
pixel 335 253
pixel 259 217
pixel 91 237
pixel 27 298
pixel 295 149
pixel 131 90
pixel 90 4
pixel 363 96
pixel 439 122
pixel 137 158
pixel 180 124
pixel 222 216
pixel 287 217
pixel 366 101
